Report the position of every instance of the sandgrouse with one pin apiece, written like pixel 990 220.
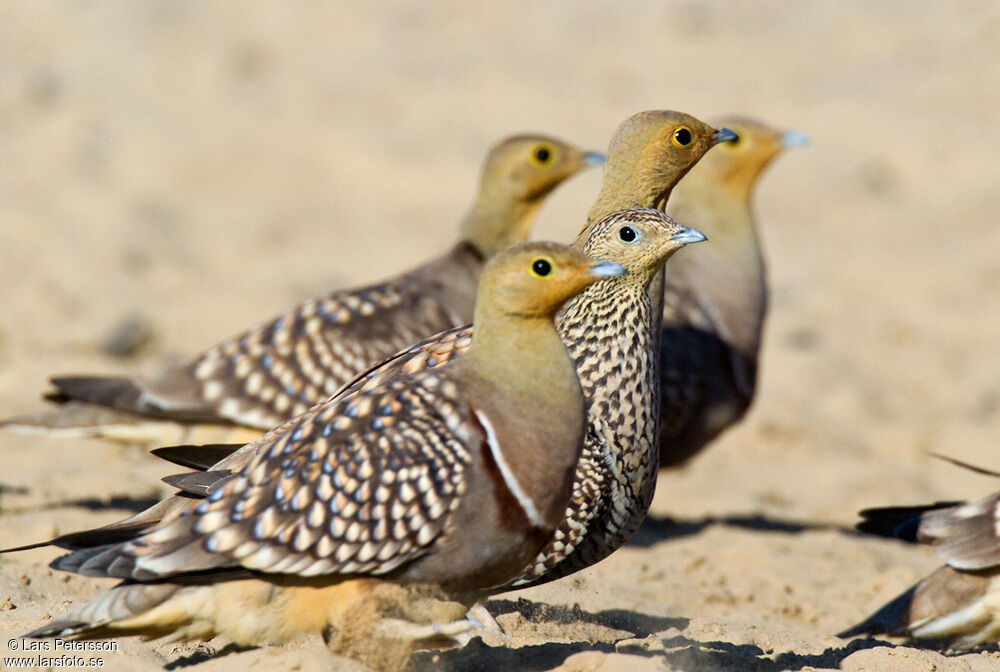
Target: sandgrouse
pixel 280 368
pixel 958 603
pixel 714 302
pixel 617 361
pixel 450 476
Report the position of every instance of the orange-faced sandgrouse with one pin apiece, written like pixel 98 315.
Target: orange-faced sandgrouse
pixel 279 369
pixel 715 301
pixel 451 476
pixel 958 603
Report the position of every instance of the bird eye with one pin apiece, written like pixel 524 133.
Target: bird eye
pixel 682 136
pixel 627 234
pixel 541 267
pixel 542 155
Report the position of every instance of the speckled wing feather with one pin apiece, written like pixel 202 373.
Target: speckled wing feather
pixel 281 368
pixel 320 497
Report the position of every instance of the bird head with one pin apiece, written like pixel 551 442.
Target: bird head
pixel 535 279
pixel 526 168
pixel 640 240
pixel 739 163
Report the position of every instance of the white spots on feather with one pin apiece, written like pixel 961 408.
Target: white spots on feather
pixel 267 524
pixel 212 390
pixel 388 549
pixel 406 493
pixel 325 546
pixel 353 532
pixel 337 527
pixel 282 403
pixel 225 540
pixel 304 538
pixel 265 557
pixel 230 408
pixel 211 521
pixel 344 553
pixel 366 552
pixel 208 367
pixel 253 384
pixel 425 535
pixel 324 490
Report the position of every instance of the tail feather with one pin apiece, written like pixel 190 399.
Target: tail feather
pixel 123 602
pixel 900 522
pixel 201 458
pixel 114 392
pixel 199 483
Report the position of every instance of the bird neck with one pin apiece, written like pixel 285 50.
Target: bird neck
pixel 528 388
pixel 497 221
pixel 624 188
pixel 612 333
pixel 521 353
pixel 728 274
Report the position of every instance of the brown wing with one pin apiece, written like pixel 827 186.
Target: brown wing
pixel 281 368
pixel 362 484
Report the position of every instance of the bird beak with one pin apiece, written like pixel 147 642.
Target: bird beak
pixel 687 235
pixel 594 159
pixel 606 269
pixel 723 134
pixel 794 139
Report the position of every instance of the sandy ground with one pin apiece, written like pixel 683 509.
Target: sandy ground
pixel 198 167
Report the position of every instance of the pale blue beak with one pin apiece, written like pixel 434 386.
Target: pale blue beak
pixel 794 139
pixel 607 269
pixel 687 235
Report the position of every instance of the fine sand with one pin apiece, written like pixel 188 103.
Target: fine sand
pixel 191 168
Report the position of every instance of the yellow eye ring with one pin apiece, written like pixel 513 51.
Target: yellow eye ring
pixel 541 267
pixel 682 137
pixel 542 155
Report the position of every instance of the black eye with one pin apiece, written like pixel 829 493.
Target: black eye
pixel 541 267
pixel 682 136
pixel 627 234
pixel 542 155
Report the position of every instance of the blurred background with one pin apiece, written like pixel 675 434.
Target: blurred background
pixel 175 171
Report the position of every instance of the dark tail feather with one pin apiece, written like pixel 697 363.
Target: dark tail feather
pixel 901 522
pixel 198 483
pixel 119 392
pixel 201 458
